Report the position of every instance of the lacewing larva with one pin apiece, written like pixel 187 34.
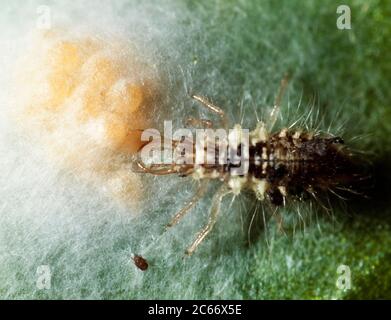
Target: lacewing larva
pixel 282 165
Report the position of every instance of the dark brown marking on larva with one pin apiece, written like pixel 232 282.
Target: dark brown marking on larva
pixel 140 262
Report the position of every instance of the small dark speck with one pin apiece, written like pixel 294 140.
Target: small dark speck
pixel 140 262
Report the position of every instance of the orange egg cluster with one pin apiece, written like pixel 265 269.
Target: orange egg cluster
pixel 85 98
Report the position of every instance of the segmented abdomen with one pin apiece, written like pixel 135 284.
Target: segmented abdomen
pixel 295 164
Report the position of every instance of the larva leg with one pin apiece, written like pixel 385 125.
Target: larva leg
pixel 280 221
pixel 202 187
pixel 214 212
pixel 213 108
pixel 275 112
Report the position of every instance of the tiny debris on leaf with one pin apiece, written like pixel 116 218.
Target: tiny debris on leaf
pixel 140 262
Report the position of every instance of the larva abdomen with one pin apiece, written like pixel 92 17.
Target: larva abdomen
pixel 298 163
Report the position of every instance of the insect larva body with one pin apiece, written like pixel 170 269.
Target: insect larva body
pixel 290 164
pixel 285 164
pixel 281 165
